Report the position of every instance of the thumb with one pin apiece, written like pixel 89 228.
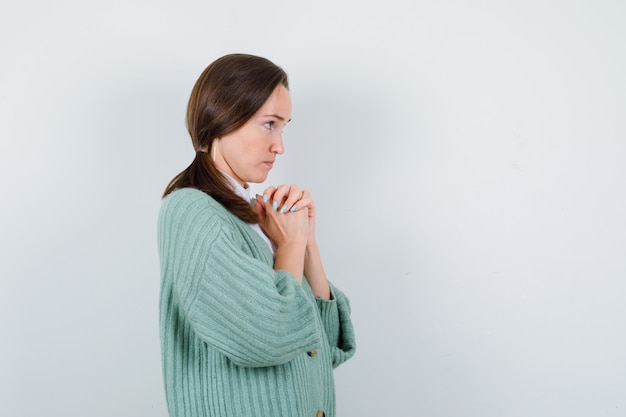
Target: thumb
pixel 259 207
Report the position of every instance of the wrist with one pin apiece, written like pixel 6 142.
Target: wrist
pixel 311 247
pixel 292 250
pixel 290 257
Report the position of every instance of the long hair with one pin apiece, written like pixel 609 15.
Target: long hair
pixel 227 94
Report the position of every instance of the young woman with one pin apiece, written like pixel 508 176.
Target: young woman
pixel 250 326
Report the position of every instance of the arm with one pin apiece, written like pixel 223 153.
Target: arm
pixel 335 315
pixel 255 315
pixel 314 272
pixel 333 306
pixel 288 204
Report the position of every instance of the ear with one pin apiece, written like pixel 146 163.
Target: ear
pixel 214 148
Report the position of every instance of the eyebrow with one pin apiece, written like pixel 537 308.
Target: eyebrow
pixel 282 119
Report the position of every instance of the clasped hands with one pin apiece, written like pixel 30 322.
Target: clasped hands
pixel 287 215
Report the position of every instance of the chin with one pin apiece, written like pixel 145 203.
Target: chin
pixel 258 178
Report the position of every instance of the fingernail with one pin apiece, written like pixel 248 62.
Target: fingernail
pixel 265 198
pixel 283 209
pixel 293 208
pixel 274 205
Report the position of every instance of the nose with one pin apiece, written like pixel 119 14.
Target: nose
pixel 277 146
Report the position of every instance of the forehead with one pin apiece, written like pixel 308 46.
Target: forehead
pixel 277 104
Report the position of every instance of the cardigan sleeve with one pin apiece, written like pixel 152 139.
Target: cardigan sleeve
pixel 241 306
pixel 335 314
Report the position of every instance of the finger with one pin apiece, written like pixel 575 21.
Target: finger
pixel 257 203
pixel 259 207
pixel 305 200
pixel 268 193
pixel 292 199
pixel 278 199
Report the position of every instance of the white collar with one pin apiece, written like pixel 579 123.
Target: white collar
pixel 244 192
pixel 241 191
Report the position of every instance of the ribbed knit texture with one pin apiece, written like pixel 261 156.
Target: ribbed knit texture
pixel 234 332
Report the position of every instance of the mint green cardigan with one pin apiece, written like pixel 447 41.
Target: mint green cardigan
pixel 239 338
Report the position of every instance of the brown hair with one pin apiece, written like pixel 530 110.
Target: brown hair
pixel 227 94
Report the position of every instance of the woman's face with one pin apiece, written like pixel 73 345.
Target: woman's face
pixel 248 153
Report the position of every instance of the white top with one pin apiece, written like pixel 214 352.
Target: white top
pixel 245 194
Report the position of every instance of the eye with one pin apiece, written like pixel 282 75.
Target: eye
pixel 268 125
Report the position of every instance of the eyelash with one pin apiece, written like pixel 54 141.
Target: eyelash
pixel 271 126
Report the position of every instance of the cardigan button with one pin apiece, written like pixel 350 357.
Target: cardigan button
pixel 320 413
pixel 311 354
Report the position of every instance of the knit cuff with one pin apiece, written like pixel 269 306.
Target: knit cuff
pixel 329 312
pixel 335 314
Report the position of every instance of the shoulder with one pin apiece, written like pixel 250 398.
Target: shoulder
pixel 187 196
pixel 190 205
pixel 190 198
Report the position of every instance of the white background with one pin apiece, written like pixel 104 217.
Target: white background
pixel 466 159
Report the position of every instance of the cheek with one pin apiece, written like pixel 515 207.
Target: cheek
pixel 255 146
pixel 236 148
pixel 247 147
